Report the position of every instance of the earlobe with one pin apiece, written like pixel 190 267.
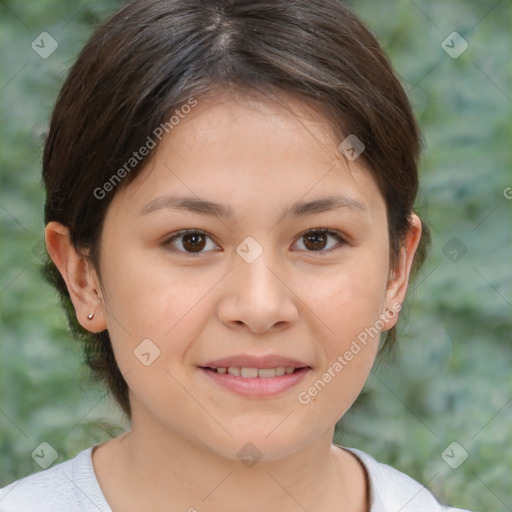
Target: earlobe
pixel 81 279
pixel 399 276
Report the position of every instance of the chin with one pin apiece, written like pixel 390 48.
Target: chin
pixel 251 445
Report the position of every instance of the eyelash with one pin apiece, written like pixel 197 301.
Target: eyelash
pixel 325 231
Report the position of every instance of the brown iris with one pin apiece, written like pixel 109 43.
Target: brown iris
pixel 194 242
pixel 315 241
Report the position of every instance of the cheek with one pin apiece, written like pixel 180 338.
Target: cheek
pixel 349 299
pixel 349 303
pixel 151 301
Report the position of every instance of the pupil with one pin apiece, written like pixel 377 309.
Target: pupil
pixel 316 241
pixel 194 243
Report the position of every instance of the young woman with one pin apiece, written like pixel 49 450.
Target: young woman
pixel 229 217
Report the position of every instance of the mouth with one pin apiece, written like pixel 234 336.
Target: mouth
pixel 253 381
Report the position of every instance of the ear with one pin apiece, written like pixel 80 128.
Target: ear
pixel 80 277
pixel 399 276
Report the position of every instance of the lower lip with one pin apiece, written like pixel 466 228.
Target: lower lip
pixel 256 386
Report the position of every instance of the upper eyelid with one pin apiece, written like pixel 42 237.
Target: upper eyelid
pixel 182 232
pixel 175 236
pixel 342 239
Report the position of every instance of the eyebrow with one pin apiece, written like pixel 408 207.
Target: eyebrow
pixel 204 207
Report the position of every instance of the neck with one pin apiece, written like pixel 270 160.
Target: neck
pixel 150 468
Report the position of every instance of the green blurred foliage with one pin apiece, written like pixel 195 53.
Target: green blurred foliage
pixel 447 380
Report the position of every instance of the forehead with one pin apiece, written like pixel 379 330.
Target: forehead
pixel 236 148
pixel 256 126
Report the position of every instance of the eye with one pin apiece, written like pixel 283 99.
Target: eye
pixel 190 241
pixel 317 240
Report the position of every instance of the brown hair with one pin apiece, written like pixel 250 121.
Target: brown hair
pixel 154 55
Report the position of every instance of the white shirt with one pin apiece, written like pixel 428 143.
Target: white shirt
pixel 72 487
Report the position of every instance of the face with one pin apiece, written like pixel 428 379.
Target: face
pixel 248 242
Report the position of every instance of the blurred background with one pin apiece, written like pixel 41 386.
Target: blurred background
pixel 439 407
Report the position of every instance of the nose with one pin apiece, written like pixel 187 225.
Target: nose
pixel 258 297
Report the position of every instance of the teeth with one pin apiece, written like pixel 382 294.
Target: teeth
pixel 262 373
pixel 249 372
pixel 280 371
pixel 266 373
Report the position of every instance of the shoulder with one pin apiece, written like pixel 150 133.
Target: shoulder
pixel 392 490
pixel 67 487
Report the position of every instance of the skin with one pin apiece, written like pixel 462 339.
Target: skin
pixel 258 158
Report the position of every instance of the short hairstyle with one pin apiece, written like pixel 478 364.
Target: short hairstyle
pixel 154 55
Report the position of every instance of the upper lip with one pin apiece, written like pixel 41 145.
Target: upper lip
pixel 249 361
